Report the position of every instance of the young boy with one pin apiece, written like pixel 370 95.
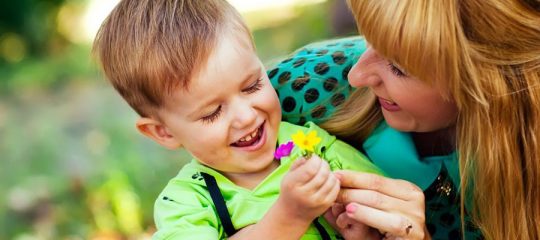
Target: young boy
pixel 190 70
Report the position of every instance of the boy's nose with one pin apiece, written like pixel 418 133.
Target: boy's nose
pixel 363 73
pixel 244 114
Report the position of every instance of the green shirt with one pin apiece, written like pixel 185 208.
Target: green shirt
pixel 184 209
pixel 312 82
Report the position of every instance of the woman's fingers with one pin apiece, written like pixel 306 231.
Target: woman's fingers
pixel 396 207
pixel 352 229
pixel 371 198
pixel 344 221
pixel 392 187
pixel 396 225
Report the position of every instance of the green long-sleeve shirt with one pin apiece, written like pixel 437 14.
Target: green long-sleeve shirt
pixel 184 210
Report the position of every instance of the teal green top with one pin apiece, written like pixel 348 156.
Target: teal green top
pixel 184 209
pixel 312 82
pixel 394 151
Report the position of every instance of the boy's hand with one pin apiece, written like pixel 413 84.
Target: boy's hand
pixel 308 189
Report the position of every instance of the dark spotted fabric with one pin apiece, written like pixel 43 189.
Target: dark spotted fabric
pixel 313 82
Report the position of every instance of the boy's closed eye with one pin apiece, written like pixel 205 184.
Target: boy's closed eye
pixel 210 118
pixel 214 115
pixel 256 86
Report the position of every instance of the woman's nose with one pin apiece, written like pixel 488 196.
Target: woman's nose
pixel 363 73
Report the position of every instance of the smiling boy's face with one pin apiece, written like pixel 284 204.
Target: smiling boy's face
pixel 229 117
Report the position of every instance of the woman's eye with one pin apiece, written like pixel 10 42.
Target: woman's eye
pixel 255 87
pixel 212 116
pixel 396 70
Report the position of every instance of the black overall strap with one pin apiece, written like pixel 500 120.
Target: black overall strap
pixel 219 203
pixel 322 231
pixel 223 213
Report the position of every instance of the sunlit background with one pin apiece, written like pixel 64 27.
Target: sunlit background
pixel 72 165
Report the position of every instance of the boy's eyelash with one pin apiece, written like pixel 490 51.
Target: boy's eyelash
pixel 212 117
pixel 255 87
pixel 215 115
pixel 396 71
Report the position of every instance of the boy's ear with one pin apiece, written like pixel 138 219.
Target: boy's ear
pixel 158 132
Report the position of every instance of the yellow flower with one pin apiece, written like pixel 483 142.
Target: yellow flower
pixel 306 142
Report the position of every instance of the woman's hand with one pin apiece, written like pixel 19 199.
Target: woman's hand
pixel 348 227
pixel 395 207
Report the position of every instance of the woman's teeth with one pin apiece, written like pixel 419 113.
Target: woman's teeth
pixel 389 102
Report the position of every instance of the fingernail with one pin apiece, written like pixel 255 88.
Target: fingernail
pixel 351 208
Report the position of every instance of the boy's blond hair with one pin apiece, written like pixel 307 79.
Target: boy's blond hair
pixel 149 48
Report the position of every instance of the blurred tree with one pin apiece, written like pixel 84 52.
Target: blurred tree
pixel 34 54
pixel 28 26
pixel 342 19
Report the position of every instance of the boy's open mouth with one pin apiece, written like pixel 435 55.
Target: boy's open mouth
pixel 250 139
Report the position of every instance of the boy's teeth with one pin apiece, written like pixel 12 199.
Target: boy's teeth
pixel 250 136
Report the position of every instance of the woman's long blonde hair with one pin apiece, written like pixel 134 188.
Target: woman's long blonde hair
pixel 486 55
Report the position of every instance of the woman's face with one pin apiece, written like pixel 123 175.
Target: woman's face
pixel 407 103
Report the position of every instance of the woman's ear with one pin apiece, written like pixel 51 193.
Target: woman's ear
pixel 158 132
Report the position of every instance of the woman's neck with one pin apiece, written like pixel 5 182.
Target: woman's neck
pixel 437 143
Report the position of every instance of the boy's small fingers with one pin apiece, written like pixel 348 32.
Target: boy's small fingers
pixel 297 163
pixel 308 169
pixel 323 187
pixel 323 176
pixel 333 189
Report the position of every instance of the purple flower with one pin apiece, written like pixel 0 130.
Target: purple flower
pixel 284 150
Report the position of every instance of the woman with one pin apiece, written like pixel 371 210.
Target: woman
pixel 448 101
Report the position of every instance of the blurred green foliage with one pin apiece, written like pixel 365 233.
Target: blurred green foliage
pixel 32 21
pixel 72 164
pixel 32 52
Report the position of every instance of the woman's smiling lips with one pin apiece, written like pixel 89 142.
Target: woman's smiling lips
pixel 388 105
